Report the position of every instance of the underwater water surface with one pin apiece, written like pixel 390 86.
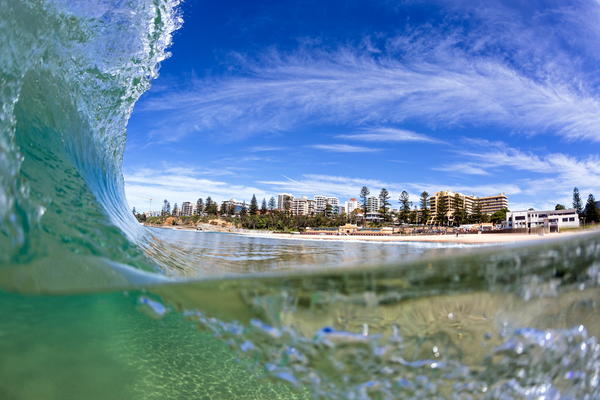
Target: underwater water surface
pixel 94 305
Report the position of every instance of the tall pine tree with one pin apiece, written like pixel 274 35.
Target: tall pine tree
pixel 425 213
pixel 405 204
pixel 253 205
pixel 384 201
pixel 441 210
pixel 263 208
pixel 460 212
pixel 199 206
pixel 592 214
pixel 364 193
pixel 478 216
pixel 577 204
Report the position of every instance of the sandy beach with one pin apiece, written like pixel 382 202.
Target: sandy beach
pixel 484 238
pixel 489 238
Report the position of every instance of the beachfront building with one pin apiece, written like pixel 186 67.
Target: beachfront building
pixel 320 203
pixel 188 208
pixel 448 197
pixel 491 204
pixel 234 206
pixel 351 205
pixel 300 206
pixel 281 200
pixel 334 202
pixel 373 206
pixel 548 219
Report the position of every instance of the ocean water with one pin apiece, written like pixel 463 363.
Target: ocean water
pixel 93 305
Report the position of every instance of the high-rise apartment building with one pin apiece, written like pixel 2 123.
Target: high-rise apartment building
pixel 300 206
pixel 320 203
pixel 490 204
pixel 334 202
pixel 281 200
pixel 352 205
pixel 373 206
pixel 188 208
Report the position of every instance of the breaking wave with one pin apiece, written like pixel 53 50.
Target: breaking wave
pixel 498 323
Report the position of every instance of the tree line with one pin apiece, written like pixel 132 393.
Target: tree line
pixel 590 213
pixel 267 216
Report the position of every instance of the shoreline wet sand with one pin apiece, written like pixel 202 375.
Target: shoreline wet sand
pixel 484 238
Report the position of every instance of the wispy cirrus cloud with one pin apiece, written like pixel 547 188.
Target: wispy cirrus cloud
pixel 343 148
pixel 507 71
pixel 179 184
pixel 389 135
pixel 550 176
pixel 256 149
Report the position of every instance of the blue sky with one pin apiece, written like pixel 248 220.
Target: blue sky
pixel 308 98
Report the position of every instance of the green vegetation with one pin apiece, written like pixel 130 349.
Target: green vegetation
pixel 405 204
pixel 577 204
pixel 364 193
pixel 591 213
pixel 384 197
pixel 441 211
pixel 268 217
pixel 425 212
pixel 499 216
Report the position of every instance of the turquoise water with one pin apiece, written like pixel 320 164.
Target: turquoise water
pixel 101 347
pixel 93 305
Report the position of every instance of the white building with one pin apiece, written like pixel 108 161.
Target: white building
pixel 300 206
pixel 334 202
pixel 351 205
pixel 281 200
pixel 532 219
pixel 188 208
pixel 320 202
pixel 373 206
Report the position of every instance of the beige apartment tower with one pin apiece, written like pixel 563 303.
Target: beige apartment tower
pixel 490 204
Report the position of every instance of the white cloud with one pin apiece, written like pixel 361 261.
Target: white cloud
pixel 462 169
pixel 449 87
pixel 343 148
pixel 389 135
pixel 266 148
pixel 548 179
pixel 178 185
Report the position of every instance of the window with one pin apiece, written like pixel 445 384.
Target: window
pixel 554 220
pixel 543 215
pixel 565 220
pixel 572 219
pixel 520 218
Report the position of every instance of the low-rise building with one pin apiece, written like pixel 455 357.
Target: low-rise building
pixel 549 219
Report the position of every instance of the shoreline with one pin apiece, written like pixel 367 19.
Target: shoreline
pixel 489 238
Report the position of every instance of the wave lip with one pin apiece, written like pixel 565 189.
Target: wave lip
pixel 71 73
